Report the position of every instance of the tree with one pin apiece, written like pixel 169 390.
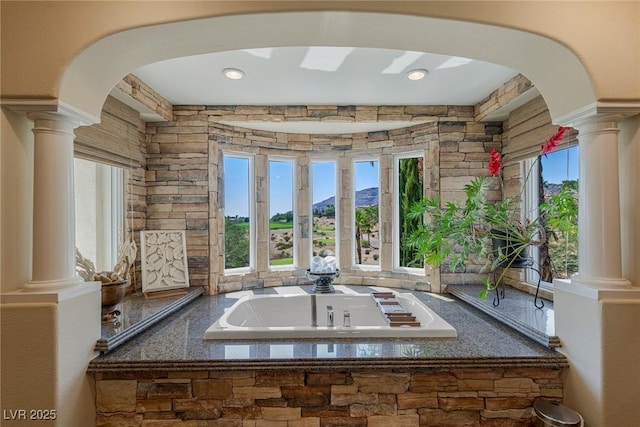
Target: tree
pixel 236 245
pixel 330 211
pixel 282 217
pixel 366 220
pixel 411 187
pixel 562 211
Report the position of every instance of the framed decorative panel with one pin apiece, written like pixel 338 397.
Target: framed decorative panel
pixel 164 260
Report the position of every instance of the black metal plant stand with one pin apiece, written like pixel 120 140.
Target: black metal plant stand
pixel 527 263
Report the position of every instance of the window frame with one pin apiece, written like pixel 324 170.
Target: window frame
pixel 252 211
pixel 530 209
pixel 115 213
pixel 337 193
pixel 396 210
pixel 354 264
pixel 294 201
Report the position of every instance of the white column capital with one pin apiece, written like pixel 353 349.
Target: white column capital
pixel 48 121
pixel 39 108
pixel 598 123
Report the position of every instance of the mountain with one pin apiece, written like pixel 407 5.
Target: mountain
pixel 551 188
pixel 366 197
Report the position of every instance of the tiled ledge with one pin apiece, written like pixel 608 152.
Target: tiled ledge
pixel 138 314
pixel 516 310
pixel 177 344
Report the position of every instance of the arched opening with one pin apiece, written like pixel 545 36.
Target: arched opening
pixel 565 86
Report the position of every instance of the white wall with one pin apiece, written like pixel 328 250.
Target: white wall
pixel 16 200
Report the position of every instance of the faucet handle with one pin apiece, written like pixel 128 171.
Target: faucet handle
pixel 346 321
pixel 329 315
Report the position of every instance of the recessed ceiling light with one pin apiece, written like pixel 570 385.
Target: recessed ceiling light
pixel 233 73
pixel 418 74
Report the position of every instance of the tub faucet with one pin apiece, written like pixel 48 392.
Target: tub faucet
pixel 329 315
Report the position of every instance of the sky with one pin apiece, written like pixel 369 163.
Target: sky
pixel 280 187
pixel 323 179
pixel 236 185
pixel 557 167
pixel 560 165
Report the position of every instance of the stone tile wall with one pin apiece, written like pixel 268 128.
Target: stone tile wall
pixel 119 140
pixel 298 398
pixel 184 178
pixel 178 187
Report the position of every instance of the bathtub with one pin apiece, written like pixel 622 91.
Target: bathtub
pixel 291 316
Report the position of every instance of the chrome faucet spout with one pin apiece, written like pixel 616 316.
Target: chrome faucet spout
pixel 314 311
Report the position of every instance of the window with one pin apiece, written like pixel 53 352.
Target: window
pixel 99 211
pixel 557 186
pixel 409 188
pixel 238 212
pixel 281 213
pixel 324 208
pixel 366 177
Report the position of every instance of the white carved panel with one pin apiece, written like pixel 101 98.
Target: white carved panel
pixel 164 260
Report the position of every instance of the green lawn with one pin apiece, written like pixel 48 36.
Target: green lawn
pixel 325 241
pixel 282 261
pixel 272 225
pixel 280 225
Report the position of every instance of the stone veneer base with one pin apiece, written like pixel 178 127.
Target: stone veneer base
pixel 332 396
pixel 170 376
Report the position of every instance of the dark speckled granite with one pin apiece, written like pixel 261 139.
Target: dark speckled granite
pixel 176 343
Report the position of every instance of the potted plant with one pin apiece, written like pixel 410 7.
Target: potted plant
pixel 491 233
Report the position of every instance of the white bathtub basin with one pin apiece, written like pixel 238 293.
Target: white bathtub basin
pixel 290 316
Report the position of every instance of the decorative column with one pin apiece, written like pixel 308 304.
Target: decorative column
pixel 49 325
pixel 598 311
pixel 599 258
pixel 53 204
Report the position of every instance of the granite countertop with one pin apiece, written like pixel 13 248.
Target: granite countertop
pixel 176 343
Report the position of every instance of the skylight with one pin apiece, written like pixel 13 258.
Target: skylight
pixel 325 58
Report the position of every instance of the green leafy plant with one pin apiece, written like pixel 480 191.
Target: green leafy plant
pixel 486 232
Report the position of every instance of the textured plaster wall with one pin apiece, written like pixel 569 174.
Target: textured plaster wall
pixel 27 28
pixel 16 200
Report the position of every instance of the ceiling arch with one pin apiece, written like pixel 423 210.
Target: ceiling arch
pixel 555 70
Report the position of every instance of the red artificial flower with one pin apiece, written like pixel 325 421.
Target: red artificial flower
pixel 554 140
pixel 494 163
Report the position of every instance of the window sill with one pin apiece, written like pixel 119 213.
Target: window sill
pixel 364 267
pixel 412 271
pixel 238 271
pixel 282 268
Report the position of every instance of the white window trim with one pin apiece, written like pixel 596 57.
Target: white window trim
pixel 118 210
pixel 529 209
pixel 252 213
pixel 294 182
pixel 396 212
pixel 337 192
pixel 354 264
pixel 109 222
